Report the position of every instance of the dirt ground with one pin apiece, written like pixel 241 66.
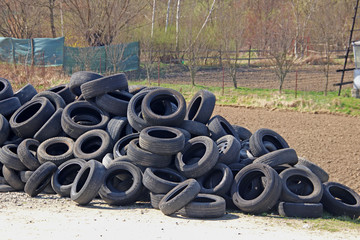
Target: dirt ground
pixel 331 141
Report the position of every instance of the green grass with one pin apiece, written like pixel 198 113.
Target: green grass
pixel 312 101
pixel 333 224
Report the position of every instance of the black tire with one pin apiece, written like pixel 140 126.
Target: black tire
pixel 229 149
pixel 12 177
pixel 30 117
pixel 134 112
pixel 204 206
pixel 236 167
pixel 243 133
pixel 87 182
pixel 56 150
pixel 93 144
pixel 115 102
pixel 145 158
pixel 155 118
pixel 56 100
pixel 340 200
pixel 125 192
pixel 10 158
pixel 6 90
pixel 25 175
pixel 64 176
pixel 219 127
pixel 64 91
pixel 7 188
pixel 266 195
pixel 104 85
pixel 39 179
pixel 218 181
pixel 120 147
pixel 116 127
pixel 201 106
pixel 195 128
pixel 198 157
pixel 256 142
pixel 26 93
pixel 162 140
pixel 279 157
pixel 300 186
pixel 134 89
pixel 179 196
pixel 51 128
pixel 300 210
pixel 317 170
pixel 4 129
pixel 75 127
pixel 155 199
pixel 79 78
pixel 27 153
pixel 9 105
pixel 161 180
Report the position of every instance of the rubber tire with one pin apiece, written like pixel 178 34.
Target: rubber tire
pixel 120 147
pixel 4 129
pixel 279 157
pixel 25 175
pixel 134 89
pixel 300 195
pixel 79 78
pixel 155 199
pixel 115 103
pixel 104 85
pixel 317 170
pixel 229 149
pixel 201 106
pixel 88 146
pixel 195 128
pixel 174 119
pixel 6 90
pixel 26 93
pixel 107 160
pixel 243 133
pixel 219 127
pixel 340 200
pixel 56 100
pixel 213 183
pixel 64 176
pixel 198 157
pixel 25 153
pixel 161 180
pixel 51 128
pixel 40 178
pixel 10 158
pixel 145 158
pixel 300 210
pixel 30 117
pixel 134 112
pixel 120 197
pixel 266 199
pixel 74 129
pixel 204 206
pixel 9 105
pixel 56 150
pixel 12 177
pixel 179 196
pixel 256 141
pixel 162 140
pixel 64 91
pixel 87 182
pixel 116 127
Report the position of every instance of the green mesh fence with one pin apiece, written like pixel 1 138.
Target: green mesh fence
pixel 113 58
pixel 52 52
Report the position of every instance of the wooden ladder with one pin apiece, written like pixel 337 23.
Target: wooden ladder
pixel 344 69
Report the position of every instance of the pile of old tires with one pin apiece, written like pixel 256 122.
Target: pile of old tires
pixel 97 137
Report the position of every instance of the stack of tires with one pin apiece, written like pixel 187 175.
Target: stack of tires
pixel 99 137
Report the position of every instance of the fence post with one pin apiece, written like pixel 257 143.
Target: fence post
pixel 249 55
pixel 223 80
pixel 296 82
pixel 158 73
pixel 13 53
pixel 32 51
pixel 220 57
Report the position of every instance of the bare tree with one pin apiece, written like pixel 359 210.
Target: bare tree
pixel 115 54
pixel 20 19
pixel 99 22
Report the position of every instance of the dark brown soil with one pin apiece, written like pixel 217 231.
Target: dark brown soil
pixel 330 141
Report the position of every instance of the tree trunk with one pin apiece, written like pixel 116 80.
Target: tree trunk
pixel 167 15
pixel 177 28
pixel 52 25
pixel 153 19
